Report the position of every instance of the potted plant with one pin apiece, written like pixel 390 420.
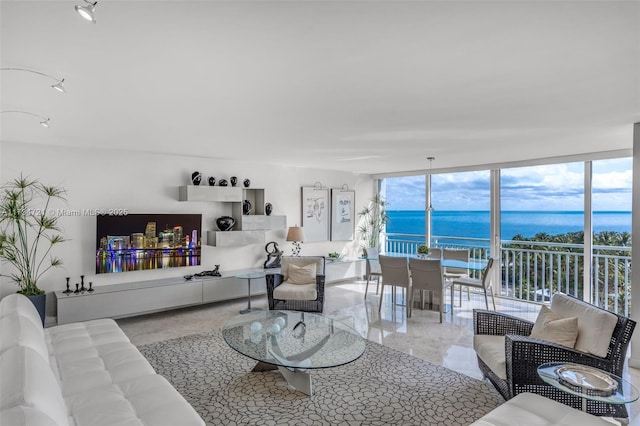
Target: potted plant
pixel 423 250
pixel 28 231
pixel 373 219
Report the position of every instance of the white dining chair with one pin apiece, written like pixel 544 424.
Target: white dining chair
pixel 373 268
pixel 484 284
pixel 427 275
pixel 455 273
pixel 395 273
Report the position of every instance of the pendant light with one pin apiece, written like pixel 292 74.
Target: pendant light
pixel 87 10
pixel 44 123
pixel 59 85
pixel 430 208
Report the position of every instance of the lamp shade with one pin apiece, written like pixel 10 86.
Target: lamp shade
pixel 295 233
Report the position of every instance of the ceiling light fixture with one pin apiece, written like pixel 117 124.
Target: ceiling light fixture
pixel 87 10
pixel 59 85
pixel 44 123
pixel 430 208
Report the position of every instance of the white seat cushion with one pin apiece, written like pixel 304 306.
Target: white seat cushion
pixel 148 400
pixel 288 291
pixel 595 326
pixel 27 380
pixel 528 409
pixel 491 351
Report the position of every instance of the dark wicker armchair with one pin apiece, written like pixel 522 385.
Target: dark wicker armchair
pixel 313 301
pixel 524 354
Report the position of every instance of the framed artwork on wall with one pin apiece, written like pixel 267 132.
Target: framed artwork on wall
pixel 342 214
pixel 315 213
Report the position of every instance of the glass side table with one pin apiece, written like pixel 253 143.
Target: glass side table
pixel 623 393
pixel 250 276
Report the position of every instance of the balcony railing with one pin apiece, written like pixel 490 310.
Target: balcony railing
pixel 534 270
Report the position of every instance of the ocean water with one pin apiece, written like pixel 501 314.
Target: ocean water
pixel 475 224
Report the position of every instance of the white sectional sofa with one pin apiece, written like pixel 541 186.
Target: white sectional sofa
pixel 79 374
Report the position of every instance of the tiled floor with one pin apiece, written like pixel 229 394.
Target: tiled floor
pixel 449 344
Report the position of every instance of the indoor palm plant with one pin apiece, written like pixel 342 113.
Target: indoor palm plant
pixel 28 231
pixel 373 219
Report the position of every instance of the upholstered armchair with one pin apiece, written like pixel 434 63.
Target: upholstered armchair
pixel 299 286
pixel 509 356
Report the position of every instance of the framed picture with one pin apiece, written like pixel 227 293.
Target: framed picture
pixel 342 214
pixel 315 213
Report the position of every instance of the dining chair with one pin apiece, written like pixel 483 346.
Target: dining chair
pixel 455 273
pixel 373 268
pixel 435 253
pixel 427 275
pixel 395 272
pixel 484 283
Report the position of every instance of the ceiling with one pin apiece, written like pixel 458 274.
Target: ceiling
pixel 362 86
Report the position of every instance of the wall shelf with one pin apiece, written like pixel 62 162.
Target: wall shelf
pixel 223 194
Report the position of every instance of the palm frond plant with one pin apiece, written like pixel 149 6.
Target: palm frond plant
pixel 29 230
pixel 373 219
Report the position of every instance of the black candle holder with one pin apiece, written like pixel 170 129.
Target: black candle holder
pixel 82 287
pixel 68 290
pixel 90 287
pixel 77 289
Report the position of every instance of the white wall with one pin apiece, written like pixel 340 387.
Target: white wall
pixel 148 183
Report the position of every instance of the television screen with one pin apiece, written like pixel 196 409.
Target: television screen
pixel 137 242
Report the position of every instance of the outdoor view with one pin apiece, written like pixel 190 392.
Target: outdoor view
pixel 542 225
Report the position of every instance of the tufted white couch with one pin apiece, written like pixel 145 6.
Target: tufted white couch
pixel 79 374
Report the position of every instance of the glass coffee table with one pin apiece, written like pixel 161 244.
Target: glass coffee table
pixel 589 383
pixel 294 343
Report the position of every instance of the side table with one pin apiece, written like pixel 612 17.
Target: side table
pixel 624 393
pixel 250 276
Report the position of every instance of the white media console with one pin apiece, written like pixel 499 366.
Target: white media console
pixel 136 298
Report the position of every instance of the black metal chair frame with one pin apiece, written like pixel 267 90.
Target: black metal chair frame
pixel 275 279
pixel 525 354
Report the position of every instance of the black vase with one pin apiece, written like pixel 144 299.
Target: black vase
pixel 268 208
pixel 222 182
pixel 246 183
pixel 246 207
pixel 196 178
pixel 212 181
pixel 233 180
pixel 225 223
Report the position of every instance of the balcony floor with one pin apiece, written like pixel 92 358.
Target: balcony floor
pixel 449 344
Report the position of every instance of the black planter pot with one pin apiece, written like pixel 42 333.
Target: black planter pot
pixel 40 302
pixel 225 223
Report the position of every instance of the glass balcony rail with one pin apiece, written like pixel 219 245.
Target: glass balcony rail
pixel 533 270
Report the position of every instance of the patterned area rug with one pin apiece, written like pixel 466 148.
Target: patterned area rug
pixel 382 387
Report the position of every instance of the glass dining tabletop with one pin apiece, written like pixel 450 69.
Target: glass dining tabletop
pixel 472 264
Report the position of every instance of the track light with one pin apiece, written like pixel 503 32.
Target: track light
pixel 86 11
pixel 44 123
pixel 59 85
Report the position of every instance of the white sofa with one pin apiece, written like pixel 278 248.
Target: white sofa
pixel 79 374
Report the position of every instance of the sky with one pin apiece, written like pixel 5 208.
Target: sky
pixel 557 187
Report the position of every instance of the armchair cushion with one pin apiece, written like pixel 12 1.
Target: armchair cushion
pixel 302 274
pixel 554 328
pixel 490 349
pixel 289 291
pixel 595 326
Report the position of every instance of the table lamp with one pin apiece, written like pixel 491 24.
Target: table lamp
pixel 296 235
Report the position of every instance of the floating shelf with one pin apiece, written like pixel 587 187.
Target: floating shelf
pixel 223 194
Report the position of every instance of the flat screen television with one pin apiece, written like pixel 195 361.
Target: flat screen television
pixel 137 242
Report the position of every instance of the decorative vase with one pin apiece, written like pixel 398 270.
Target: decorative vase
pixel 246 207
pixel 212 181
pixel 246 183
pixel 268 208
pixel 196 178
pixel 233 180
pixel 40 302
pixel 222 182
pixel 225 223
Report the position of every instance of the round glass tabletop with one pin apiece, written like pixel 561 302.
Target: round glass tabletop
pixel 293 339
pixel 588 382
pixel 251 275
